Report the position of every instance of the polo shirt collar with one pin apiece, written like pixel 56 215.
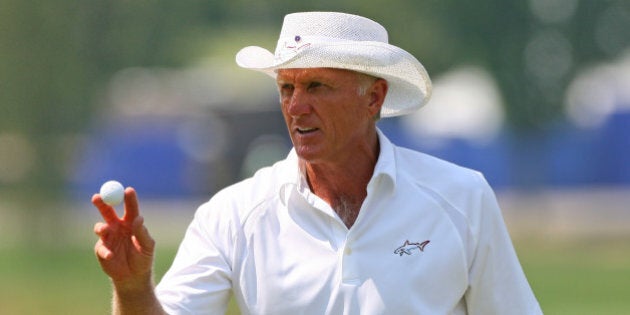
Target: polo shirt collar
pixel 385 169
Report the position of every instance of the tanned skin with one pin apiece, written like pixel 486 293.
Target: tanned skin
pixel 330 115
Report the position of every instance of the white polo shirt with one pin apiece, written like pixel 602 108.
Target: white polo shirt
pixel 429 239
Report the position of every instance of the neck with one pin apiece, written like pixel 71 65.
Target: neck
pixel 343 184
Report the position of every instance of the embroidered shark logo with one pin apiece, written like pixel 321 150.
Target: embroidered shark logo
pixel 409 247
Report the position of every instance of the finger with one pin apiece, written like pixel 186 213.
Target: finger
pixel 107 212
pixel 131 205
pixel 143 240
pixel 102 252
pixel 101 229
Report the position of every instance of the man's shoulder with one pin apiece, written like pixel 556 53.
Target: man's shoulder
pixel 461 191
pixel 439 177
pixel 428 167
pixel 247 194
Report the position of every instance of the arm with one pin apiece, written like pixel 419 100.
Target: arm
pixel 200 279
pixel 125 251
pixel 497 282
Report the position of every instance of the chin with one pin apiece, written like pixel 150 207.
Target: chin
pixel 308 154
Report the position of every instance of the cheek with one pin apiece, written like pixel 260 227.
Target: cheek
pixel 353 115
pixel 346 123
pixel 284 110
pixel 287 118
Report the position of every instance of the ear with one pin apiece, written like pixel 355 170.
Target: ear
pixel 377 93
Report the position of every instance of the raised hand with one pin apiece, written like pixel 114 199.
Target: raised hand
pixel 125 249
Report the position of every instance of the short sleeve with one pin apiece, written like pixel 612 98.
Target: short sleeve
pixel 497 282
pixel 199 280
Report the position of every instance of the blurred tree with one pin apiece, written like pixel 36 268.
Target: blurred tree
pixel 533 48
pixel 57 56
pixel 42 80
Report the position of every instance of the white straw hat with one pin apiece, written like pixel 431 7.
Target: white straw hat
pixel 345 41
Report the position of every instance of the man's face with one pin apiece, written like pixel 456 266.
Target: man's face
pixel 328 116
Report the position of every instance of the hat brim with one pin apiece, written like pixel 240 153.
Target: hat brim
pixel 408 82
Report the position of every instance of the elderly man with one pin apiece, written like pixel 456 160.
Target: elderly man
pixel 348 223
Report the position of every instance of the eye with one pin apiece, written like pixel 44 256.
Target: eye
pixel 286 89
pixel 313 85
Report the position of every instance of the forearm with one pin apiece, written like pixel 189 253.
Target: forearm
pixel 136 301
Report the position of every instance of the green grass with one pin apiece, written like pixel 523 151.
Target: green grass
pixel 579 277
pixel 588 277
pixel 45 281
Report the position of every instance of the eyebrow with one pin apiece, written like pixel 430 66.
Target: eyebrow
pixel 310 78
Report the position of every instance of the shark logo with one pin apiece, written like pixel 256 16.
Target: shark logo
pixel 409 247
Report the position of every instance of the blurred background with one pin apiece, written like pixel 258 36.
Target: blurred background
pixel 533 93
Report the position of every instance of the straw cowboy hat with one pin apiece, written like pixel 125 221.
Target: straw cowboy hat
pixel 345 41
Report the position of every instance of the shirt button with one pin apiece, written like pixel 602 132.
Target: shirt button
pixel 348 251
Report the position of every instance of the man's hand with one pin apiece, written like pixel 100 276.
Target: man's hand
pixel 125 249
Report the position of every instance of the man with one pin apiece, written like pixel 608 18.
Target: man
pixel 348 223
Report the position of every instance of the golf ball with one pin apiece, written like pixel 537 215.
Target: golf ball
pixel 112 193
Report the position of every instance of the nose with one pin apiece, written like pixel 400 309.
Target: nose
pixel 298 103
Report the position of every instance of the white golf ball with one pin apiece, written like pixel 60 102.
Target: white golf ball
pixel 112 193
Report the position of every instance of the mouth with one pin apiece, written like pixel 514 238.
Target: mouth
pixel 304 131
